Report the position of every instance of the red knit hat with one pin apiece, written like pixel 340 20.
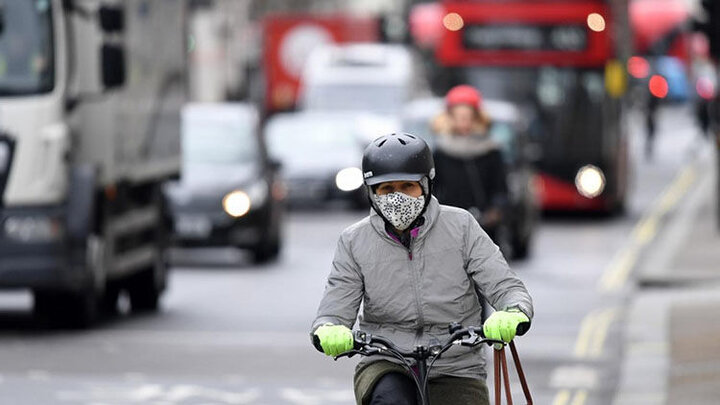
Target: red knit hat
pixel 463 94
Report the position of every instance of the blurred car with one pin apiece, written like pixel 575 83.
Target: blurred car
pixel 228 194
pixel 377 78
pixel 321 153
pixel 510 132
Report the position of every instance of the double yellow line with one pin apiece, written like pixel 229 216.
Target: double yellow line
pixel 564 397
pixel 593 333
pixel 618 272
pixel 589 345
pixel 595 326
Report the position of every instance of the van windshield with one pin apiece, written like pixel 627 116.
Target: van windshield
pixel 26 47
pixel 383 99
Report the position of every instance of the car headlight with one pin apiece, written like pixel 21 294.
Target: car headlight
pixel 349 179
pixel 590 181
pixel 32 229
pixel 236 203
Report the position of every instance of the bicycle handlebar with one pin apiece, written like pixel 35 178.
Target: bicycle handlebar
pixel 369 345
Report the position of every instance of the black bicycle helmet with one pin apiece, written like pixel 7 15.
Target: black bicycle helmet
pixel 397 157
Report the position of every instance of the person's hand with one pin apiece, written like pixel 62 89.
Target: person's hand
pixel 335 339
pixel 504 325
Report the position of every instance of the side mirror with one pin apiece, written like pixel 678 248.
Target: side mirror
pixel 113 66
pixel 2 19
pixel 112 19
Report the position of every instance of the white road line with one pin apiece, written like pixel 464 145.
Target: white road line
pixel 159 395
pixel 574 376
pixel 315 397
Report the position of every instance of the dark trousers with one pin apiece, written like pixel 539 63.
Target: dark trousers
pixel 396 388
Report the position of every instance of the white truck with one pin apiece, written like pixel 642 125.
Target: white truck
pixel 90 96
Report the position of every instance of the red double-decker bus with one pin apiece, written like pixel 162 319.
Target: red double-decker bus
pixel 563 62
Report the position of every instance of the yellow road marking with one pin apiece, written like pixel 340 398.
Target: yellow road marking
pixel 561 398
pixel 606 319
pixel 618 271
pixel 586 332
pixel 675 192
pixel 646 230
pixel 593 332
pixel 580 397
pixel 595 326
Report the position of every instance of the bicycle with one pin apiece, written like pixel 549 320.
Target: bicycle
pixel 425 357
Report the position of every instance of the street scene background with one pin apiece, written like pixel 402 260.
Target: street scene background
pixel 626 296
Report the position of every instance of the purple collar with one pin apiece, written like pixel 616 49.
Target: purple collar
pixel 413 234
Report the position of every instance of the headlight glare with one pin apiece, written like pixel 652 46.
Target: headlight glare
pixel 236 203
pixel 349 179
pixel 590 181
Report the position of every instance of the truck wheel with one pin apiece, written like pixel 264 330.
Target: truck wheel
pixel 67 309
pixel 145 289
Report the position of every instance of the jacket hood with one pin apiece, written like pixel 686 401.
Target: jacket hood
pixel 477 144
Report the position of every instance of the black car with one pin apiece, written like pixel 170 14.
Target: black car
pixel 229 193
pixel 510 132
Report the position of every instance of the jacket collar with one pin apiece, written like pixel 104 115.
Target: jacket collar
pixel 431 213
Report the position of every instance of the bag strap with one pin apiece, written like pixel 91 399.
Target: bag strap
pixel 521 373
pixel 502 377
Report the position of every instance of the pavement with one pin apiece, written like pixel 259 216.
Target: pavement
pixel 671 345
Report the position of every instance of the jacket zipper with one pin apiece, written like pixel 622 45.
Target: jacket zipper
pixel 416 287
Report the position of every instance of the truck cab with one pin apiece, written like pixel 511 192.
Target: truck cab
pixel 90 96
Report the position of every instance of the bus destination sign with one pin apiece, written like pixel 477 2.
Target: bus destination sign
pixel 494 37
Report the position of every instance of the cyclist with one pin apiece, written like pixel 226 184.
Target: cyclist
pixel 470 166
pixel 415 265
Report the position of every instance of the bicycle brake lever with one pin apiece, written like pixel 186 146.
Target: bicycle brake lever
pixel 349 354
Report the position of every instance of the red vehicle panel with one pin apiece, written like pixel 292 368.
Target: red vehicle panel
pixel 288 40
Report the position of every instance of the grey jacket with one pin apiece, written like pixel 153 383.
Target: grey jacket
pixel 411 296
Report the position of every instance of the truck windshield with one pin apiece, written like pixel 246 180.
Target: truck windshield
pixel 26 47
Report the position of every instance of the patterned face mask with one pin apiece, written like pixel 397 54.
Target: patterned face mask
pixel 399 208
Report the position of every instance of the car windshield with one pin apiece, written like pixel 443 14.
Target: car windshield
pixel 383 99
pixel 218 143
pixel 26 47
pixel 295 140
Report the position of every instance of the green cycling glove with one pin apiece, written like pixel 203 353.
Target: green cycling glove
pixel 335 339
pixel 503 325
